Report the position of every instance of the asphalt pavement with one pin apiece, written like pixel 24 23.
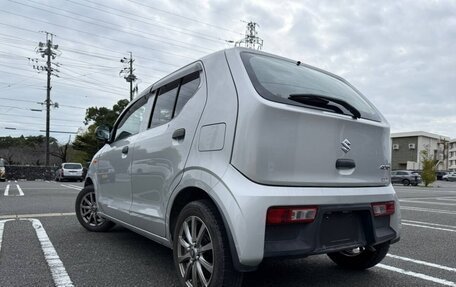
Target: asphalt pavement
pixel 44 245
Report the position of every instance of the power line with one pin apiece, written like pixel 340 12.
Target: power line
pixel 42 131
pixel 141 33
pixel 90 88
pixel 53 119
pixel 181 16
pixel 136 16
pixel 86 44
pixel 29 123
pixel 79 75
pixel 96 35
pixel 30 101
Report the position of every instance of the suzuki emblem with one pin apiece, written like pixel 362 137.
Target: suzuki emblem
pixel 346 145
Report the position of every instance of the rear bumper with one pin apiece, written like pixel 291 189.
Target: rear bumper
pixel 72 176
pixel 244 205
pixel 336 227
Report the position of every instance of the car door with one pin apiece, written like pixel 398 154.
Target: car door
pixel 114 163
pixel 161 151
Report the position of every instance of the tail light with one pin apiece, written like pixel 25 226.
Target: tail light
pixel 383 208
pixel 291 214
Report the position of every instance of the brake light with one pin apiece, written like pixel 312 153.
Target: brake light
pixel 383 208
pixel 291 214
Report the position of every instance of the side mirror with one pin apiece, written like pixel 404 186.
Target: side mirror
pixel 102 133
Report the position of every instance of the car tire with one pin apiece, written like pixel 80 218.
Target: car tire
pixel 406 182
pixel 200 248
pixel 363 259
pixel 86 211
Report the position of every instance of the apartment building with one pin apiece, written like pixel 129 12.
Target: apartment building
pixel 407 147
pixel 452 155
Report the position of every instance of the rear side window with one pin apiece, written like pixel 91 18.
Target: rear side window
pixel 164 105
pixel 290 82
pixel 72 166
pixel 2 163
pixel 189 85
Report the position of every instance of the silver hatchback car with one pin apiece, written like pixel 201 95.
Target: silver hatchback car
pixel 243 155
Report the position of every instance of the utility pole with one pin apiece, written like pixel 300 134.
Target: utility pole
pixel 251 39
pixel 127 72
pixel 48 51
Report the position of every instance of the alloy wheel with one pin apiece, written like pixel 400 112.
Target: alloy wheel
pixel 195 252
pixel 89 210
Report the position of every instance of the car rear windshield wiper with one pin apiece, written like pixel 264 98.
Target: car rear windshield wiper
pixel 323 102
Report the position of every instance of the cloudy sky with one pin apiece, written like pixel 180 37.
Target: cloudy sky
pixel 400 54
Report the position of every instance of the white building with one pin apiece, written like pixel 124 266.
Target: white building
pixel 407 148
pixel 452 155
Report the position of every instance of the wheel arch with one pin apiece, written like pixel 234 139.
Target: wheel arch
pixel 88 181
pixel 193 193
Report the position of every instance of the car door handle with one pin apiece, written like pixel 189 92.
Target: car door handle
pixel 125 149
pixel 343 163
pixel 179 134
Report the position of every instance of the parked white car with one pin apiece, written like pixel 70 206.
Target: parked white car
pixel 451 177
pixel 69 171
pixel 244 155
pixel 447 175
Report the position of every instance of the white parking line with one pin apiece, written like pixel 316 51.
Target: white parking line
pixel 429 227
pixel 72 187
pixel 417 275
pixel 428 223
pixel 2 224
pixel 425 263
pixel 6 190
pixel 21 193
pixel 446 198
pixel 59 274
pixel 428 210
pixel 58 271
pixel 16 216
pixel 427 202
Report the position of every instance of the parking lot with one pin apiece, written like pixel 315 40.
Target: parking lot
pixel 42 244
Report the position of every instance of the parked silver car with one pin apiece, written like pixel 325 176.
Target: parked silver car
pixel 406 177
pixel 244 155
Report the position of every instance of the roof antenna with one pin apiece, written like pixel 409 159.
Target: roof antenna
pixel 298 63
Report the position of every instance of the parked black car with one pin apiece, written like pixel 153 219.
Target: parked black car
pixel 406 177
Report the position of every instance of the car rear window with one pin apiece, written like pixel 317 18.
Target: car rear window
pixel 72 166
pixel 277 79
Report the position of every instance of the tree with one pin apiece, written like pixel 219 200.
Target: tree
pixel 61 152
pixel 428 163
pixel 87 142
pixel 25 150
